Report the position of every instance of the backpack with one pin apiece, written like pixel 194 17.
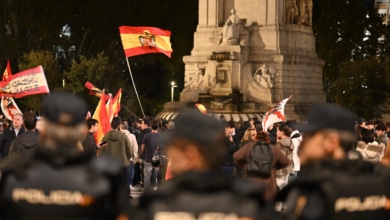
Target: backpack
pixel 260 160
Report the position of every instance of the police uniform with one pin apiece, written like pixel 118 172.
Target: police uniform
pixel 59 182
pixel 205 195
pixel 335 188
pixel 345 189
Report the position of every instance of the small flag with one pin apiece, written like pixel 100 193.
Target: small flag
pixel 201 108
pixel 275 114
pixel 8 104
pixel 7 73
pixel 94 90
pixel 116 103
pixel 101 116
pixel 143 40
pixel 28 82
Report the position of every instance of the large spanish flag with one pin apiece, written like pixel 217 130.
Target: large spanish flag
pixel 143 40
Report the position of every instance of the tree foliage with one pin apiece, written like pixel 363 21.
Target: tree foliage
pixel 77 32
pixel 97 71
pixel 352 40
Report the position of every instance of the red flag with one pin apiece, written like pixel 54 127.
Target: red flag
pixel 143 40
pixel 8 104
pixel 116 103
pixel 94 90
pixel 100 114
pixel 7 73
pixel 275 114
pixel 28 82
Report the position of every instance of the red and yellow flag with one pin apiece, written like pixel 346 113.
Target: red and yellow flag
pixel 143 40
pixel 116 103
pixel 7 73
pixel 101 115
pixel 93 90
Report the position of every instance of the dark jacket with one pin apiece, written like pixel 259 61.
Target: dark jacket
pixel 25 144
pixel 8 136
pixel 279 161
pixel 89 144
pixel 338 190
pixel 203 193
pixel 118 145
pixel 90 188
pixel 231 148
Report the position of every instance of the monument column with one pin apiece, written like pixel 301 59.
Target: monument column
pixel 250 54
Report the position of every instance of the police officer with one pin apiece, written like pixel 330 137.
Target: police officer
pixel 333 182
pixel 195 148
pixel 60 181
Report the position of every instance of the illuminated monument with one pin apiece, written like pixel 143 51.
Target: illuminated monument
pixel 250 54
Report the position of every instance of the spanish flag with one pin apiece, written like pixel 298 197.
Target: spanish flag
pixel 116 103
pixel 143 40
pixel 100 114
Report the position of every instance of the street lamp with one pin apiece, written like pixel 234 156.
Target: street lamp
pixel 173 85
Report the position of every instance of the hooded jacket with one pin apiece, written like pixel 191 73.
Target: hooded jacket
pixel 25 143
pixel 118 145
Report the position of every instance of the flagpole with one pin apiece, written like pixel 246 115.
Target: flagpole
pixel 135 89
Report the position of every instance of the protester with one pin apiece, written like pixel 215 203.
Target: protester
pixel 116 144
pixel 296 139
pixel 89 143
pixel 231 147
pixel 150 147
pixel 59 181
pixel 198 191
pixel 286 146
pixel 333 183
pixel 249 136
pixel 26 143
pixel 134 146
pixel 10 133
pixel 279 161
pixel 381 133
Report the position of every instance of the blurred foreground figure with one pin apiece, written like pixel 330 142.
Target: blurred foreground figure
pixel 60 181
pixel 334 183
pixel 196 150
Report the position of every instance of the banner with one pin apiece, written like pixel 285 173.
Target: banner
pixel 143 40
pixel 275 114
pixel 8 104
pixel 28 82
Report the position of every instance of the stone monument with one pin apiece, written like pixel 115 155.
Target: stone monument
pixel 249 55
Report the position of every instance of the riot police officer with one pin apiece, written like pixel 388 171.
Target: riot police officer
pixel 334 183
pixel 59 181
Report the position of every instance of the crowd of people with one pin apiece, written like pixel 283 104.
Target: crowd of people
pixel 333 166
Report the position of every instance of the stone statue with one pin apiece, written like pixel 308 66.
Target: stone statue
pixel 302 12
pixel 265 75
pixel 291 11
pixel 231 29
pixel 309 9
pixel 195 78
